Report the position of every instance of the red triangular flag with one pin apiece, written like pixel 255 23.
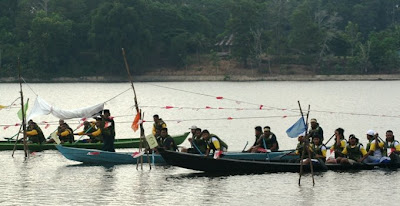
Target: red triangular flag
pixel 135 123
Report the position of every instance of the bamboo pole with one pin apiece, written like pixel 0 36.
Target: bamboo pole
pixel 23 111
pixel 136 106
pixel 16 141
pixel 306 147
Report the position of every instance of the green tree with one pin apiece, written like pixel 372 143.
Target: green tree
pixel 50 43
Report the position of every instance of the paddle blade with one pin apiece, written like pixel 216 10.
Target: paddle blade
pixel 218 154
pixel 55 137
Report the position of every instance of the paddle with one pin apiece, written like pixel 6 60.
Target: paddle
pixel 329 139
pixel 284 155
pixel 83 134
pixel 195 146
pixel 245 146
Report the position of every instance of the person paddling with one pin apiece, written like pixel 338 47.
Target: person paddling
pixel 391 148
pixel 34 133
pixel 258 133
pixel 374 148
pixel 317 149
pixel 213 143
pixel 338 146
pixel 353 152
pixel 267 141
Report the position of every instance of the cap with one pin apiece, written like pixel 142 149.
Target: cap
pixel 193 127
pixel 313 120
pixel 371 132
pixel 267 129
pixel 352 136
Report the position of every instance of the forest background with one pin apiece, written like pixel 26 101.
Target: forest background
pixel 73 38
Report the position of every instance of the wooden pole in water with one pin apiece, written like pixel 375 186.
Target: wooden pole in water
pixel 306 147
pixel 23 111
pixel 16 141
pixel 309 153
pixel 136 106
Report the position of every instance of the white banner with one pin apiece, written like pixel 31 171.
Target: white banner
pixel 41 107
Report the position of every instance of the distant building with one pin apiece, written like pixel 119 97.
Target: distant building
pixel 224 46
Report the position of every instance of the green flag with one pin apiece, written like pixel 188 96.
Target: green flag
pixel 25 109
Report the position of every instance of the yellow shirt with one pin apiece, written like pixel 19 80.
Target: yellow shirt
pixel 96 133
pixel 65 133
pixel 342 144
pixel 373 147
pixel 215 143
pixel 32 132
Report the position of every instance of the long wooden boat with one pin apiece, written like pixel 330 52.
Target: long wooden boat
pixel 235 166
pixel 92 156
pixel 118 143
pixel 231 166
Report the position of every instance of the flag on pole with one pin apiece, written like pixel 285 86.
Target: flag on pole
pixel 152 141
pixel 135 123
pixel 25 109
pixel 296 129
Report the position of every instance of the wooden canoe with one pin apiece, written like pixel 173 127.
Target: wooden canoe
pixel 230 166
pixel 92 156
pixel 118 143
pixel 235 166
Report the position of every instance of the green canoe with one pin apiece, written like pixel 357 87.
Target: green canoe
pixel 118 143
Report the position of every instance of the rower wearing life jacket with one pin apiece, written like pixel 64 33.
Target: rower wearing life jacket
pixel 98 133
pixel 317 150
pixel 65 134
pixel 316 130
pixel 354 151
pixel 90 127
pixel 267 141
pixel 158 124
pixel 300 148
pixel 391 148
pixel 337 147
pixel 374 148
pixel 34 133
pixel 214 143
pixel 166 141
pixel 258 134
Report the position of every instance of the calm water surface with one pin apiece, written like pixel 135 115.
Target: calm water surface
pixel 47 178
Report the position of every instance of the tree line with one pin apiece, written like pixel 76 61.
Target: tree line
pixel 84 37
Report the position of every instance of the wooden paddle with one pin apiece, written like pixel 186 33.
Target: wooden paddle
pixel 329 139
pixel 245 146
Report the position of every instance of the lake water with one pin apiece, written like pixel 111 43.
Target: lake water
pixel 47 178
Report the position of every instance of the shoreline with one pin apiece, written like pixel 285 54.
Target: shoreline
pixel 229 78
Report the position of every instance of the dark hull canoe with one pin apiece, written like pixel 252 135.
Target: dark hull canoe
pixel 92 156
pixel 231 166
pixel 118 143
